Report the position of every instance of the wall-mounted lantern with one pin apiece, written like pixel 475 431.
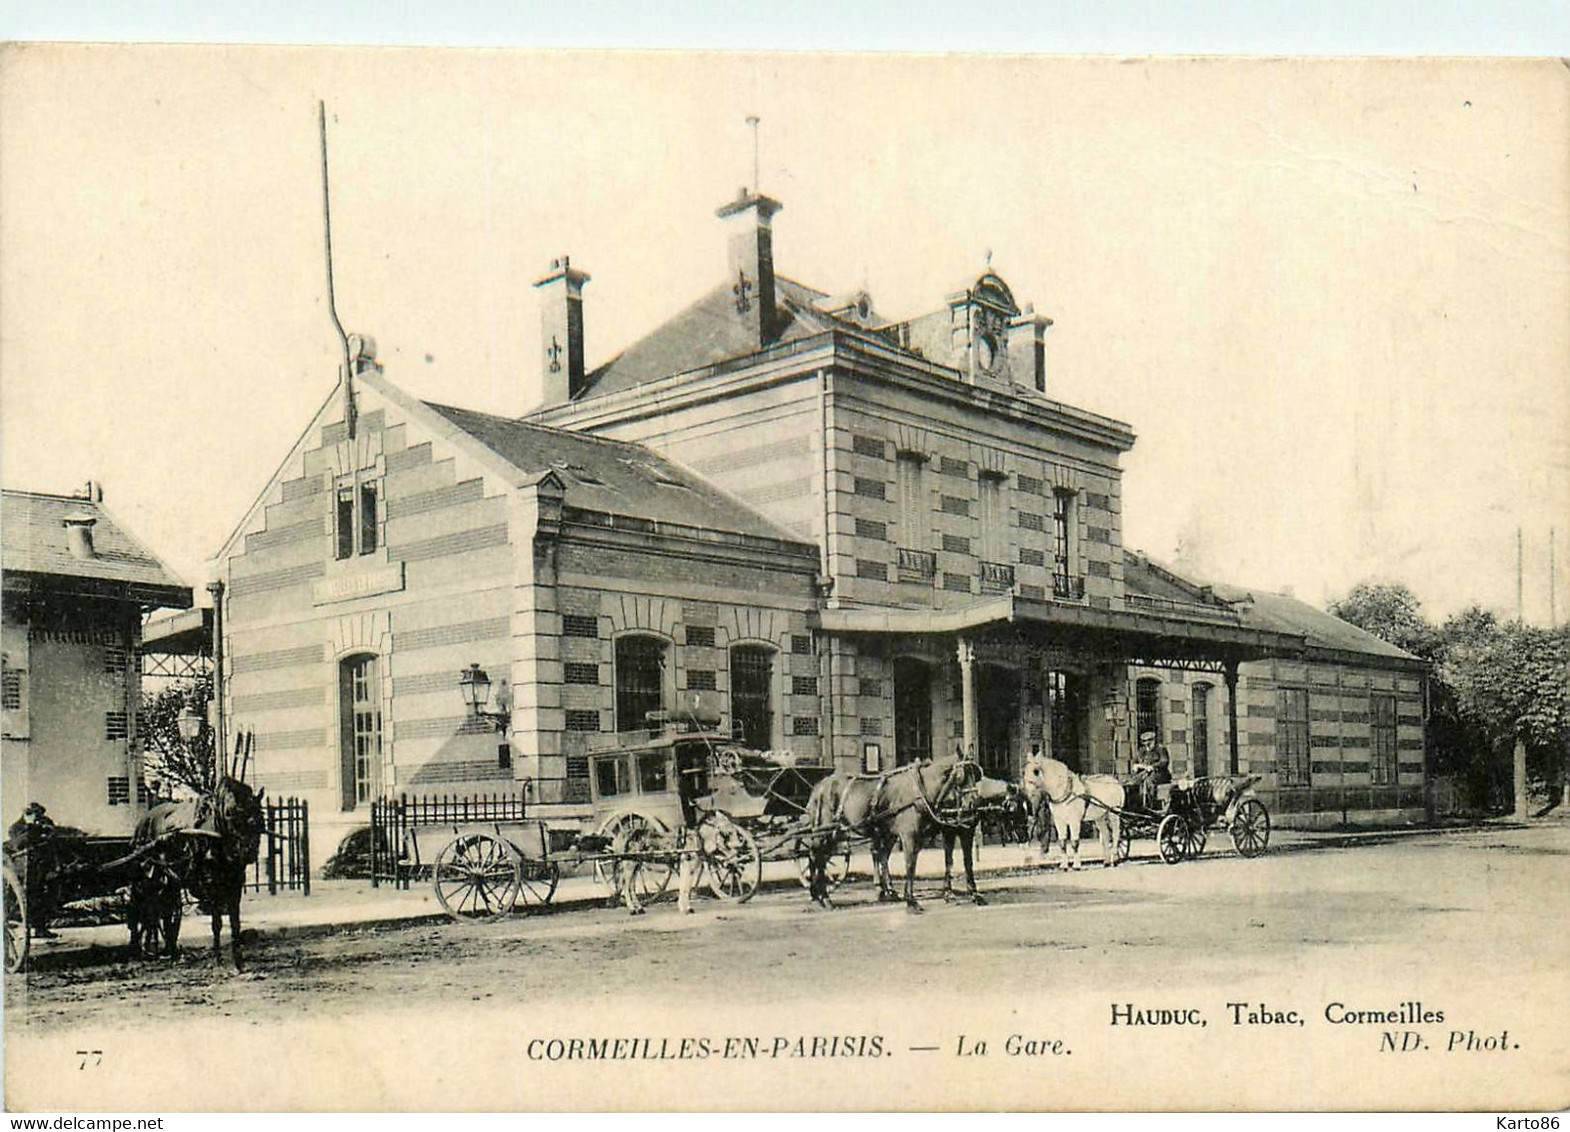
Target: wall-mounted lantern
pixel 190 722
pixel 476 688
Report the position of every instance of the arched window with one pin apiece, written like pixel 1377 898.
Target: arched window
pixel 360 728
pixel 752 696
pixel 1147 707
pixel 640 681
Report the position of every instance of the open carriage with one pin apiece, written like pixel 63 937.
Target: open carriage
pixel 1184 812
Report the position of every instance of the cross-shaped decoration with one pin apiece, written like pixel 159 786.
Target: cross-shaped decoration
pixel 553 352
pixel 742 290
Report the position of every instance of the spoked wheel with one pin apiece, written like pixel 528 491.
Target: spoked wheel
pixel 477 877
pixel 16 941
pixel 730 858
pixel 616 830
pixel 537 881
pixel 1194 843
pixel 835 869
pixel 1251 828
pixel 1171 837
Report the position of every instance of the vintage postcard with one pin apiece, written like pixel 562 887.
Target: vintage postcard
pixel 793 582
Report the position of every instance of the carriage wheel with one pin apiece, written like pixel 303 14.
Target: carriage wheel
pixel 1194 842
pixel 617 829
pixel 537 881
pixel 16 941
pixel 1251 828
pixel 730 857
pixel 477 877
pixel 835 869
pixel 1171 836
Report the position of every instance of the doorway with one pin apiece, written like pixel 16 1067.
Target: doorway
pixel 912 709
pixel 997 712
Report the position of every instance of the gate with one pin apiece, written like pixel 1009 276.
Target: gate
pixel 285 860
pixel 392 818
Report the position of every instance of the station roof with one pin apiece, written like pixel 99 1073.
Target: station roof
pixel 118 566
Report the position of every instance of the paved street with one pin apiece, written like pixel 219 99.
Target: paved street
pixel 1471 925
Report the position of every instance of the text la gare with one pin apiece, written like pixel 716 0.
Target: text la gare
pixel 1015 1045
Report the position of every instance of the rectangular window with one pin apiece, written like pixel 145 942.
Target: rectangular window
pixel 115 658
pixel 700 636
pixel 1382 756
pixel 356 524
pixel 611 776
pixel 994 519
pixel 872 727
pixel 576 673
pixel 751 696
pixel 867 445
pixel 804 725
pixel 583 721
pixel 360 736
pixel 1030 521
pixel 11 689
pixel 1292 751
pixel 949 466
pixel 1062 545
pixel 700 680
pixel 580 625
pixel 801 644
pixel 956 544
pixel 640 681
pixel 1031 485
pixel 871 687
pixel 116 725
pixel 1029 556
pixel 804 685
pixel 653 777
pixel 870 488
pixel 878 571
pixel 1199 729
pixel 954 505
pixel 119 790
pixel 870 528
pixel 912 502
pixel 1147 708
pixel 957 583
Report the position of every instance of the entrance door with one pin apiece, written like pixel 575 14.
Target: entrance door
pixel 912 709
pixel 1066 702
pixel 360 729
pixel 997 710
pixel 1199 729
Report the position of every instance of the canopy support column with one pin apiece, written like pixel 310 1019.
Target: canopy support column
pixel 1230 671
pixel 967 683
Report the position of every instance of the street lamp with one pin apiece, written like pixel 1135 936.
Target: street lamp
pixel 189 721
pixel 476 688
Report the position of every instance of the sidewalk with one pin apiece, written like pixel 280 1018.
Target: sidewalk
pixel 336 905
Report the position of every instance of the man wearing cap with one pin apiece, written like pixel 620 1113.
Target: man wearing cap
pixel 1153 766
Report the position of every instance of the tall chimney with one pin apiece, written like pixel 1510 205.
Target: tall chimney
pixel 79 535
pixel 1028 349
pixel 751 246
pixel 561 332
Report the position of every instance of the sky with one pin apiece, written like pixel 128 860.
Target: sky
pixel 1331 297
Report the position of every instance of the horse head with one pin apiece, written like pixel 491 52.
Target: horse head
pixel 238 819
pixel 1041 776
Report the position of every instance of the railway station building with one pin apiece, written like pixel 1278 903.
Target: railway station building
pixel 865 541
pixel 76 586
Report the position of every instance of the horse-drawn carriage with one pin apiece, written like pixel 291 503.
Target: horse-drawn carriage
pixel 1182 813
pixel 653 799
pixel 57 876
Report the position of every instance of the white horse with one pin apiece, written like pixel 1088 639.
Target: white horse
pixel 1071 798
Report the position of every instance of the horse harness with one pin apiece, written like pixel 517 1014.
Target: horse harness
pixel 955 779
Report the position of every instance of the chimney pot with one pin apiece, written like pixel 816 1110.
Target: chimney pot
pixel 751 255
pixel 562 369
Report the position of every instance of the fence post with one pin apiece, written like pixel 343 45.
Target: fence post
pixel 305 846
pixel 375 831
pixel 272 850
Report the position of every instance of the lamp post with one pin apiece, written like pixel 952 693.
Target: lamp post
pixel 216 589
pixel 476 688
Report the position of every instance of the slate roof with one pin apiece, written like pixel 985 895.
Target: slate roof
pixel 35 543
pixel 615 476
pixel 710 331
pixel 1259 609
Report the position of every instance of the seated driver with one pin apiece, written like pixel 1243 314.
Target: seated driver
pixel 1153 765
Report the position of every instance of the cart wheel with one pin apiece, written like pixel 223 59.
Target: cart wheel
pixel 1251 828
pixel 1171 836
pixel 1194 842
pixel 836 868
pixel 537 881
pixel 16 941
pixel 651 871
pixel 477 877
pixel 616 830
pixel 730 858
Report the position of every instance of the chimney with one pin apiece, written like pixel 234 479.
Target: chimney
pixel 1028 349
pixel 561 332
pixel 751 246
pixel 79 535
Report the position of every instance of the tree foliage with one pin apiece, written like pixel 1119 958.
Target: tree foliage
pixel 167 759
pixel 1392 613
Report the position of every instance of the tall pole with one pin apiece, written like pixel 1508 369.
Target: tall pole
pixel 1518 606
pixel 1553 584
pixel 753 120
pixel 332 303
pixel 220 747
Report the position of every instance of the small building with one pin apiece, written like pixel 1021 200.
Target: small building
pixel 76 585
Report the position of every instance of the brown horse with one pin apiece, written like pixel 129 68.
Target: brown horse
pixel 203 847
pixel 899 806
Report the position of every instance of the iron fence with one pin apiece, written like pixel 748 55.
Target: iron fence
pixel 392 818
pixel 285 860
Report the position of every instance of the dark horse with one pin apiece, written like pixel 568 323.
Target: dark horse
pixel 204 847
pixel 900 806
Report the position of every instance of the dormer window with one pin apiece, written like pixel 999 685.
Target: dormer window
pixel 356 519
